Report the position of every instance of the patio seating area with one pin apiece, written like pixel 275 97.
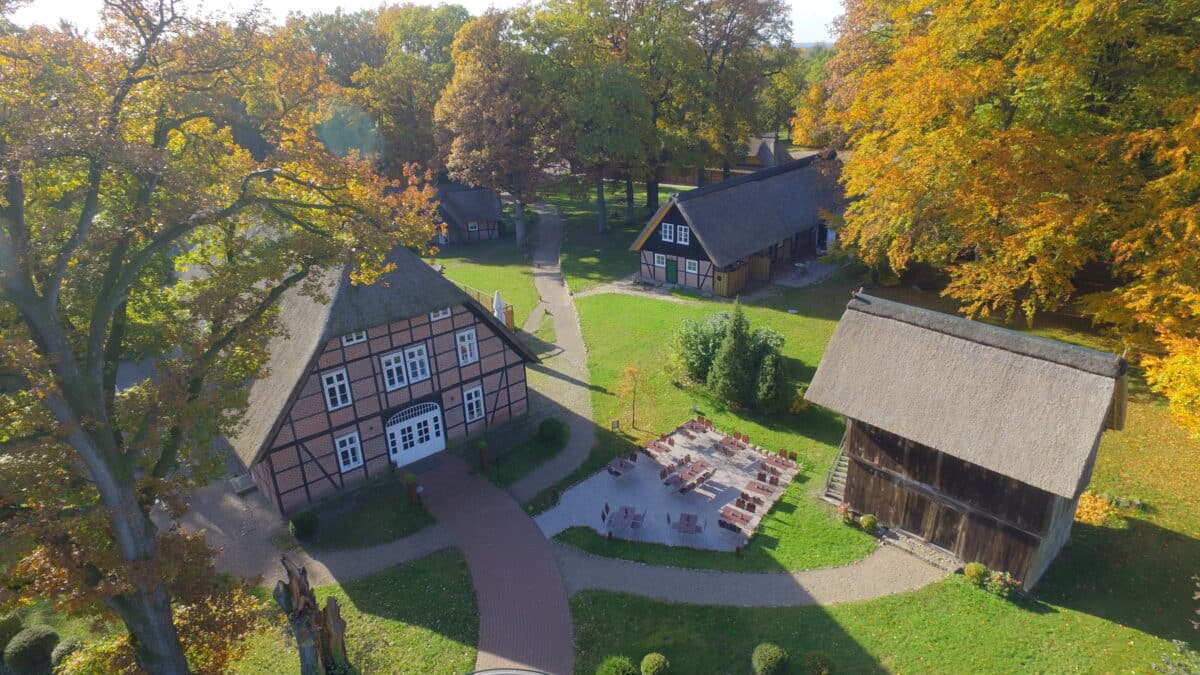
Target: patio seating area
pixel 697 486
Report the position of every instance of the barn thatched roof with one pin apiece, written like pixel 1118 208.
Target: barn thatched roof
pixel 461 204
pixel 767 149
pixel 740 216
pixel 1022 406
pixel 412 289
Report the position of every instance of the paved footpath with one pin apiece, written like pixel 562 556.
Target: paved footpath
pixel 561 383
pixel 524 617
pixel 886 571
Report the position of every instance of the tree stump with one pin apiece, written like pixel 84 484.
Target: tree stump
pixel 320 634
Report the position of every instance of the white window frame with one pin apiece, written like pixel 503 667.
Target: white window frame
pixel 354 338
pixel 348 443
pixel 660 260
pixel 466 341
pixel 691 266
pixel 668 232
pixel 331 382
pixel 395 371
pixel 473 403
pixel 472 226
pixel 683 235
pixel 420 373
pixel 438 315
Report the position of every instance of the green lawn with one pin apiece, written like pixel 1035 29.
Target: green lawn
pixel 419 617
pixel 1109 604
pixel 374 514
pixel 512 464
pixel 797 534
pixel 491 266
pixel 590 257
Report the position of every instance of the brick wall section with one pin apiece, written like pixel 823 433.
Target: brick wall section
pixel 302 465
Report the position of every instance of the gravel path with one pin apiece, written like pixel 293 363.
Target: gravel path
pixel 886 571
pixel 560 386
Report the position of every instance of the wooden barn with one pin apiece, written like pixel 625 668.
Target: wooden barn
pixel 729 235
pixel 377 377
pixel 976 439
pixel 470 213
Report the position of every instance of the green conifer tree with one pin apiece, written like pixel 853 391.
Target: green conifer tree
pixel 772 386
pixel 733 374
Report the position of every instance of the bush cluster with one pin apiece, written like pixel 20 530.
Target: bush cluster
pixel 818 663
pixel 976 573
pixel 10 625
pixel 655 664
pixel 65 649
pixel 998 583
pixel 552 431
pixel 617 665
pixel 29 651
pixel 303 525
pixel 741 367
pixel 768 659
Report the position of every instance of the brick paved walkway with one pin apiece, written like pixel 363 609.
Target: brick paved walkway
pixel 886 571
pixel 524 618
pixel 561 383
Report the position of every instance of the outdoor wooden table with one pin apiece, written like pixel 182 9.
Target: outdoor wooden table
pixel 737 516
pixel 694 470
pixel 622 518
pixel 621 465
pixel 688 523
pixel 760 488
pixel 777 462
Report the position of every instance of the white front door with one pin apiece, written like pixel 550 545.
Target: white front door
pixel 415 433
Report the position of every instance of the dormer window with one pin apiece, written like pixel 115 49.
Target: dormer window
pixel 354 338
pixel 668 232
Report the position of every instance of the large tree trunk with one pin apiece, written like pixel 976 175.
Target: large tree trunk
pixel 518 210
pixel 629 215
pixel 701 176
pixel 601 207
pixel 725 170
pixel 147 615
pixel 652 190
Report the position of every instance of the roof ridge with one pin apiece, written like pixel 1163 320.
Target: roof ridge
pixel 761 174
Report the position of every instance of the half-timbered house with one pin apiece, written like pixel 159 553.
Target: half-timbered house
pixel 470 213
pixel 976 439
pixel 377 377
pixel 725 236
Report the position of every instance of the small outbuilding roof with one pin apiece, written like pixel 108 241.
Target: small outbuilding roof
pixel 740 216
pixel 461 204
pixel 412 289
pixel 767 149
pixel 1023 406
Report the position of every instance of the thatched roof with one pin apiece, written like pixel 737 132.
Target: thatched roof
pixel 461 204
pixel 1022 406
pixel 412 289
pixel 735 218
pixel 768 149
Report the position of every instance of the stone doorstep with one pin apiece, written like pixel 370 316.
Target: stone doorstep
pixel 243 484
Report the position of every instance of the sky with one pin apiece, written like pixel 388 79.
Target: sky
pixel 811 19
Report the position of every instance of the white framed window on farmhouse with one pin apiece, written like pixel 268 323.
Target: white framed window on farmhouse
pixel 354 338
pixel 468 346
pixel 692 266
pixel 473 226
pixel 683 235
pixel 660 260
pixel 668 232
pixel 393 371
pixel 440 314
pixel 349 451
pixel 473 401
pixel 417 360
pixel 337 389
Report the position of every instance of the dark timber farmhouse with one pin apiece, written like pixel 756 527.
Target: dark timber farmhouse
pixel 725 236
pixel 470 213
pixel 977 439
pixel 378 377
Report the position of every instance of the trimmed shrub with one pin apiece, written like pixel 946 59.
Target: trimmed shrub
pixel 617 665
pixel 64 649
pixel 818 663
pixel 552 430
pixel 697 343
pixel 869 523
pixel 975 572
pixel 768 659
pixel 1002 585
pixel 303 525
pixel 10 625
pixel 29 651
pixel 655 664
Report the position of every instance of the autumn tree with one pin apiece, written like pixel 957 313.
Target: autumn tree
pixel 347 41
pixel 489 113
pixel 135 224
pixel 402 90
pixel 630 387
pixel 1015 144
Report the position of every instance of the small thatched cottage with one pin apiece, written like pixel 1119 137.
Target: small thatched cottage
pixel 378 377
pixel 470 213
pixel 766 151
pixel 977 439
pixel 722 237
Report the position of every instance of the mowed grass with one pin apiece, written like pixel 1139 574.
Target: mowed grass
pixel 590 257
pixel 797 534
pixel 375 514
pixel 514 463
pixel 490 266
pixel 1111 601
pixel 419 617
